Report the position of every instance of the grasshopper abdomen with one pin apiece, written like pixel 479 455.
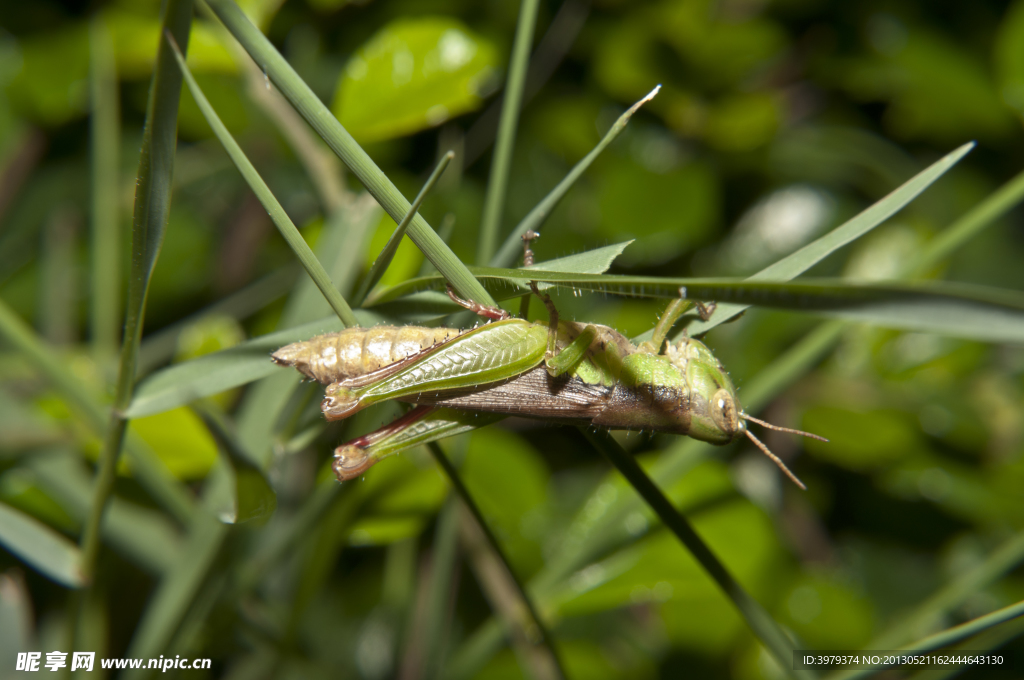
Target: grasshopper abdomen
pixel 354 352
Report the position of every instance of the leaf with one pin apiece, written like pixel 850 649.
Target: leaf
pixel 413 74
pixel 141 534
pixel 974 312
pixel 242 492
pixel 179 439
pixel 305 101
pixel 596 261
pixel 41 547
pixel 792 266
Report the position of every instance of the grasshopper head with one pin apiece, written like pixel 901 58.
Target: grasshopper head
pixel 714 410
pixel 716 414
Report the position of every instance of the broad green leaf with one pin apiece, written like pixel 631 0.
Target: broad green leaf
pixel 658 568
pixel 413 74
pixel 40 547
pixel 827 614
pixel 861 440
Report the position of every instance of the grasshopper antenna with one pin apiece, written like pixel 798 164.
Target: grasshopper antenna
pixel 766 451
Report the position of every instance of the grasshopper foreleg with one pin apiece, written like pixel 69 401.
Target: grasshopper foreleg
pixel 545 298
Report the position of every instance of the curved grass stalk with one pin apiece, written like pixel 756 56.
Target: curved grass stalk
pixel 497 182
pixel 341 142
pixel 281 220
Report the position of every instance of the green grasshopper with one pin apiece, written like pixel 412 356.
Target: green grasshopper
pixel 566 372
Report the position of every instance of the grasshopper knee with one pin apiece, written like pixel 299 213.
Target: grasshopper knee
pixel 339 403
pixel 351 461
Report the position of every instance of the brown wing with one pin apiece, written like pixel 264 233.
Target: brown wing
pixel 533 394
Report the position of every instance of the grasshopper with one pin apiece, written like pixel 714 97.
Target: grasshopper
pixel 565 371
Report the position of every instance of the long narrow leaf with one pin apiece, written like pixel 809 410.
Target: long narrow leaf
pixel 759 620
pixel 974 312
pixel 266 197
pixel 41 547
pixel 380 265
pixel 512 246
pixel 805 258
pixel 497 182
pixel 104 129
pixel 341 142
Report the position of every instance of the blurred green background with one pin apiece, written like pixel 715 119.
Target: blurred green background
pixel 777 121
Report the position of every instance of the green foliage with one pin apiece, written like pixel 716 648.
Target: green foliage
pixel 413 74
pixel 819 148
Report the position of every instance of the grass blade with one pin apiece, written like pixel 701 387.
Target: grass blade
pixel 974 312
pixel 152 206
pixel 41 547
pixel 281 220
pixel 497 184
pixel 1002 560
pixel 533 626
pixel 143 535
pixel 759 620
pixel 790 267
pixel 946 638
pixel 380 265
pixel 968 226
pixel 105 133
pixel 341 142
pixel 513 245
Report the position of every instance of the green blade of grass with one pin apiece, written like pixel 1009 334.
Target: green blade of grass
pixel 596 261
pixel 280 218
pixel 513 246
pixel 969 225
pixel 104 133
pixel 380 265
pixel 974 312
pixel 177 590
pixel 341 142
pixel 550 661
pixel 789 267
pixel 143 535
pixel 930 612
pixel 149 220
pixel 41 547
pixel 760 621
pixel 946 638
pixel 497 183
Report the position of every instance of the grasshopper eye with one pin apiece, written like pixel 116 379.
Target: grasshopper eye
pixel 725 414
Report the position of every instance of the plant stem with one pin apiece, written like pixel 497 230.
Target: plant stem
pixel 541 634
pixel 760 621
pixel 497 185
pixel 341 142
pixel 380 265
